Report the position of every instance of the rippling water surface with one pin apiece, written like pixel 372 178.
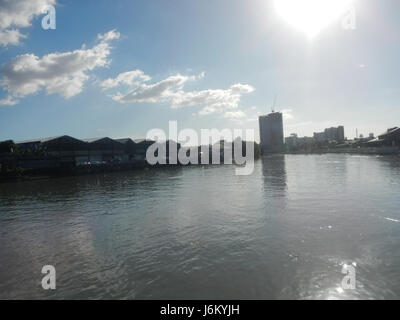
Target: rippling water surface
pixel 203 233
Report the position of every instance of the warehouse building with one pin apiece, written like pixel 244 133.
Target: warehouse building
pixel 70 151
pixel 65 148
pixel 391 138
pixel 104 150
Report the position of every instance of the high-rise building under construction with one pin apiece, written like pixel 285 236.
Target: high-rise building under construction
pixel 271 133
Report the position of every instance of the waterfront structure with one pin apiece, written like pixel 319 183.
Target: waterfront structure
pixel 166 151
pixel 172 150
pixel 141 148
pixel 65 148
pixel 60 145
pixel 129 148
pixel 271 133
pixel 103 150
pixel 66 151
pixel 386 143
pixel 320 140
pixel 391 138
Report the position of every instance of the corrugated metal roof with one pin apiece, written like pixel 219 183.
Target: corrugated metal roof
pixel 143 140
pixel 124 140
pixel 390 132
pixel 90 140
pixel 40 140
pixel 375 140
pixel 93 140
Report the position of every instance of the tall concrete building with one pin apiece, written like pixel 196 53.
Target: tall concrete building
pixel 271 133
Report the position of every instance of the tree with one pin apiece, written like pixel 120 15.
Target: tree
pixel 7 147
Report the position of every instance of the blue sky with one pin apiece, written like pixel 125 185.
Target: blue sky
pixel 205 63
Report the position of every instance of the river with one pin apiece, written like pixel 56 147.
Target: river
pixel 201 232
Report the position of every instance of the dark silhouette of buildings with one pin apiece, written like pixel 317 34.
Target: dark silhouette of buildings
pixel 69 150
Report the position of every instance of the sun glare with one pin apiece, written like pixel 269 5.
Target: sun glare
pixel 311 16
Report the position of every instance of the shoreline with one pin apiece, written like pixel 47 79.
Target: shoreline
pixel 51 173
pixel 359 151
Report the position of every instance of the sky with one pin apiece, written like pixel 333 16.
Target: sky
pixel 121 68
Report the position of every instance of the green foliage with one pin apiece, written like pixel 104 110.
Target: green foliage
pixel 7 147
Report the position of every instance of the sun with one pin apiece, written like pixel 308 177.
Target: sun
pixel 311 16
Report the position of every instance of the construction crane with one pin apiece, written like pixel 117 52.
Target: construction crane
pixel 274 104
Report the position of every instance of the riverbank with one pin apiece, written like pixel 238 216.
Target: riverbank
pixel 46 173
pixel 364 151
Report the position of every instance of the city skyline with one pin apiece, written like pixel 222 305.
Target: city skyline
pixel 221 79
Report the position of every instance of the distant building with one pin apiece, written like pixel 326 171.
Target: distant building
pixel 271 133
pixel 129 148
pixel 141 148
pixel 103 150
pixel 304 140
pixel 291 141
pixel 167 151
pixel 336 134
pixel 319 136
pixel 391 137
pixel 74 152
pixel 330 134
pixel 66 148
pixel 54 145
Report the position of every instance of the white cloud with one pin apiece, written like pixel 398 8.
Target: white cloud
pixel 10 36
pixel 250 116
pixel 171 90
pixel 252 119
pixel 9 101
pixel 201 75
pixel 109 36
pixel 133 77
pixel 213 100
pixel 58 73
pixel 300 124
pixel 16 14
pixel 287 114
pixel 233 115
pixel 158 92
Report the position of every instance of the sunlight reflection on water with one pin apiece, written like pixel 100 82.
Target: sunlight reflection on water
pixel 284 232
